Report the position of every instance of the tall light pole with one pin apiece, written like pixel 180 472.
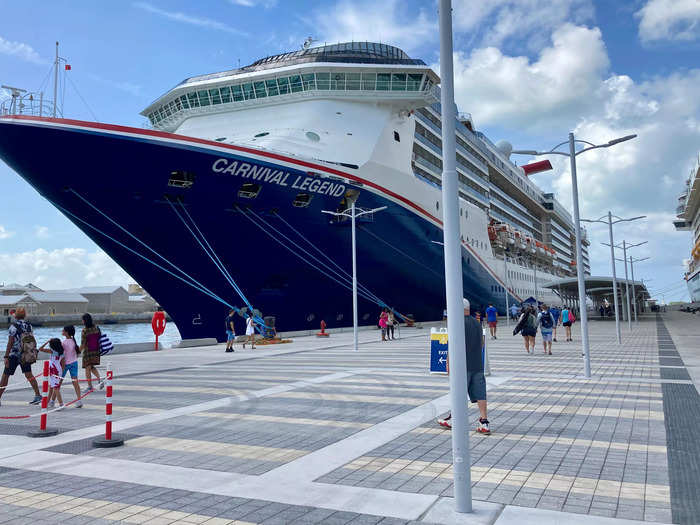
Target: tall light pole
pixel 577 226
pixel 505 277
pixel 625 247
pixel 461 459
pixel 634 295
pixel 610 223
pixel 353 215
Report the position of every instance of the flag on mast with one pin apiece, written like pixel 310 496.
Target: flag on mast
pixel 68 68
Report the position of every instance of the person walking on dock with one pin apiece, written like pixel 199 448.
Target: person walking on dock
pixel 476 382
pixel 527 326
pixel 513 312
pixel 492 320
pixel 566 316
pixel 383 323
pixel 390 325
pixel 250 331
pixel 556 314
pixel 230 330
pixel 18 335
pixel 90 348
pixel 70 354
pixel 546 322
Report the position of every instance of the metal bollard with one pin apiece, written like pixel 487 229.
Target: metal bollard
pixel 108 441
pixel 43 431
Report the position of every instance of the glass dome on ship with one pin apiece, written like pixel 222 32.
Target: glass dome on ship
pixel 220 203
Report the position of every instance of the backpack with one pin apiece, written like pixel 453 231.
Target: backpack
pixel 531 322
pixel 27 346
pixel 546 320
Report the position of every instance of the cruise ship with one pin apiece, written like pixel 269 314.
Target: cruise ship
pixel 219 203
pixel 688 219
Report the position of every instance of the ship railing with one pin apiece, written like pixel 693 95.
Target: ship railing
pixel 32 104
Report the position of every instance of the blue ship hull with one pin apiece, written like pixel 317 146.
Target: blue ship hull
pixel 124 173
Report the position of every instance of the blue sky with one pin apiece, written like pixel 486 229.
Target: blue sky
pixel 529 71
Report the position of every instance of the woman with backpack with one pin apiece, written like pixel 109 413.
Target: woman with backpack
pixel 20 341
pixel 90 348
pixel 527 326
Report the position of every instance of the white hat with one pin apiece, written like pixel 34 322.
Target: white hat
pixel 465 302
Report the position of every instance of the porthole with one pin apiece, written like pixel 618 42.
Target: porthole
pixel 313 137
pixel 220 139
pixel 263 134
pixel 249 190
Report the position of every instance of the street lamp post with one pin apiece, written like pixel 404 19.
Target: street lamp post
pixel 505 277
pixel 610 223
pixel 454 291
pixel 625 247
pixel 577 226
pixel 353 215
pixel 634 295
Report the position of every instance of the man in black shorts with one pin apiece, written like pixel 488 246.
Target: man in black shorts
pixel 476 382
pixel 12 353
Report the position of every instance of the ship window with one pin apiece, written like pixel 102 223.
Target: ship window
pixel 383 81
pixel 183 102
pixel 283 84
pixel 369 81
pixel 181 179
pixel 397 137
pixel 295 83
pixel 225 95
pixel 263 134
pixel 302 200
pixel 248 91
pixel 338 81
pixel 314 137
pixel 215 96
pixel 398 82
pixel 323 80
pixel 249 190
pixel 414 82
pixel 203 97
pixel 237 93
pixel 272 87
pixel 260 89
pixel 352 81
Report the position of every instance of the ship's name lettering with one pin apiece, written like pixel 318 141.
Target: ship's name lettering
pixel 280 177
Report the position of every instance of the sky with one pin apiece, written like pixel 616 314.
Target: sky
pixel 529 71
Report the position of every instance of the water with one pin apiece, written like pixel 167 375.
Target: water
pixel 118 333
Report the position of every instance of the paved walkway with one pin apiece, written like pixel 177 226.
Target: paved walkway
pixel 312 432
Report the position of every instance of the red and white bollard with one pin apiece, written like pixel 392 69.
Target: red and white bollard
pixel 108 441
pixel 43 431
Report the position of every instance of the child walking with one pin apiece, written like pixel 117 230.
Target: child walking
pixel 55 367
pixel 70 361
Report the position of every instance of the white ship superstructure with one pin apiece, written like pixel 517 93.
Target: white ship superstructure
pixel 688 213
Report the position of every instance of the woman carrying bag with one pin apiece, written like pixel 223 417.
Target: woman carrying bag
pixel 90 348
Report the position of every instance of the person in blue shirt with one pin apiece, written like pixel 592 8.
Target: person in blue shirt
pixel 492 320
pixel 556 314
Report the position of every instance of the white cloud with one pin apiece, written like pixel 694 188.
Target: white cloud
pixel 20 50
pixel 669 20
pixel 526 21
pixel 62 268
pixel 4 233
pixel 388 21
pixel 184 18
pixel 41 232
pixel 514 91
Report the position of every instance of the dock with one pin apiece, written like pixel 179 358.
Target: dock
pixel 313 432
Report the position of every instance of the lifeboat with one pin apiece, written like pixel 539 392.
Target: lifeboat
pixel 492 234
pixel 519 240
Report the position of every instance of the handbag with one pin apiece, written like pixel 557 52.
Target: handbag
pixel 106 345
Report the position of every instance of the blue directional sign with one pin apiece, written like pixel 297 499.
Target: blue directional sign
pixel 438 351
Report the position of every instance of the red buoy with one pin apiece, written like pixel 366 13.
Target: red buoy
pixel 158 324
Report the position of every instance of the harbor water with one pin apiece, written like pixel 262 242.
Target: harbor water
pixel 118 333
